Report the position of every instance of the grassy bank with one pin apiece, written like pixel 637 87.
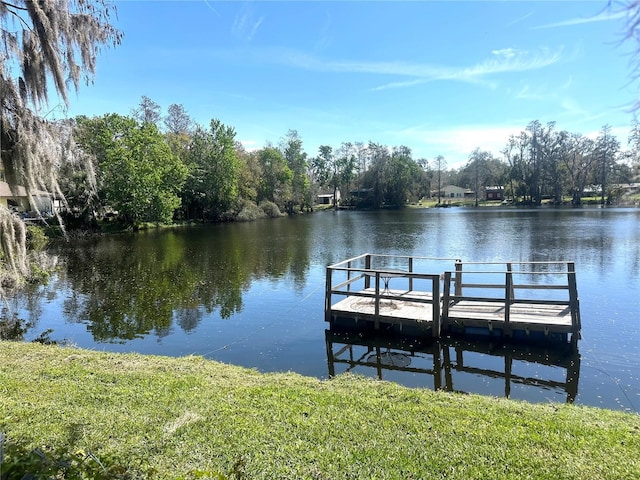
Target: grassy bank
pixel 193 418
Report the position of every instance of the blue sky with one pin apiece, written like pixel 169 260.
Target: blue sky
pixel 442 78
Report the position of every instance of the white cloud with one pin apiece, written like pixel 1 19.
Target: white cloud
pixel 502 61
pixel 601 17
pixel 507 53
pixel 245 27
pixel 512 60
pixel 519 19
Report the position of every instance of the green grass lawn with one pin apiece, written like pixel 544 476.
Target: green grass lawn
pixel 193 418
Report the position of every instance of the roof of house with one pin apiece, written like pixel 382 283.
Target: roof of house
pixel 7 191
pixel 18 191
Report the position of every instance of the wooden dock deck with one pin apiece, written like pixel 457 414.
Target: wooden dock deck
pixel 396 307
pixel 532 299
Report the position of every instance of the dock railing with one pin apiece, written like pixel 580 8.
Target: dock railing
pixel 354 277
pixel 537 283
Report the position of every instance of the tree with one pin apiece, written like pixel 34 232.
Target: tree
pixel 249 175
pixel 607 148
pixel 325 170
pixel 578 158
pixel 275 183
pixel 439 164
pixel 139 175
pixel 515 152
pixel 148 111
pixel 400 173
pixel 554 171
pixel 212 185
pixel 634 150
pixel 40 42
pixel 373 178
pixel 532 155
pixel 177 121
pixel 479 164
pixel 291 148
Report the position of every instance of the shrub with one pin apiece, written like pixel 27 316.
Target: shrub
pixel 249 212
pixel 20 462
pixel 270 209
pixel 36 238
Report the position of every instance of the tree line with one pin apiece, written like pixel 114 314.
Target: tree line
pixel 147 167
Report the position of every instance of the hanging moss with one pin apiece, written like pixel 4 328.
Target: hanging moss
pixel 44 41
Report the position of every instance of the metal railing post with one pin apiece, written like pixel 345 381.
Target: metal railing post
pixel 446 300
pixel 327 296
pixel 435 307
pixel 573 299
pixel 513 292
pixel 377 304
pixel 367 266
pixel 508 296
pixel 410 271
pixel 508 285
pixel 458 288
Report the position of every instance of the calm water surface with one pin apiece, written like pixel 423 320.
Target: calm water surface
pixel 252 294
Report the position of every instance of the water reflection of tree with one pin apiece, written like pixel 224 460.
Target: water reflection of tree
pixel 129 286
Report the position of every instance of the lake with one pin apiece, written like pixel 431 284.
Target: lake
pixel 252 294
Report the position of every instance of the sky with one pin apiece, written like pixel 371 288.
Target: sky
pixel 440 77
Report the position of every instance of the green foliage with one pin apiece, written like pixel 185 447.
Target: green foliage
pixel 211 187
pixel 393 177
pixel 249 211
pixel 275 183
pixel 399 173
pixel 139 173
pixel 36 238
pixel 140 176
pixel 296 158
pixel 270 209
pixel 20 462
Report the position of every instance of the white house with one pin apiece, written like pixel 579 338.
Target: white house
pixel 327 198
pixel 453 191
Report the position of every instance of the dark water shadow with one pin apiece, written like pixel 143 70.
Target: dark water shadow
pixel 444 361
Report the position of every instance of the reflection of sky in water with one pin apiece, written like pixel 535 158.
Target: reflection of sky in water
pixel 253 294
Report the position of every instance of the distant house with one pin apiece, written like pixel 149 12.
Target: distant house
pixel 452 191
pixel 494 193
pixel 327 198
pixel 16 199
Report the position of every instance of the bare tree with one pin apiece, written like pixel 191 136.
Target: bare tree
pixel 607 148
pixel 178 120
pixel 41 42
pixel 439 164
pixel 148 111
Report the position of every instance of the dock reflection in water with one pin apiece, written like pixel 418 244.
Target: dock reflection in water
pixel 535 372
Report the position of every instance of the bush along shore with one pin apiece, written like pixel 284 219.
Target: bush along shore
pixel 71 413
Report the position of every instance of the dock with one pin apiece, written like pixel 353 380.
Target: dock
pixel 436 297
